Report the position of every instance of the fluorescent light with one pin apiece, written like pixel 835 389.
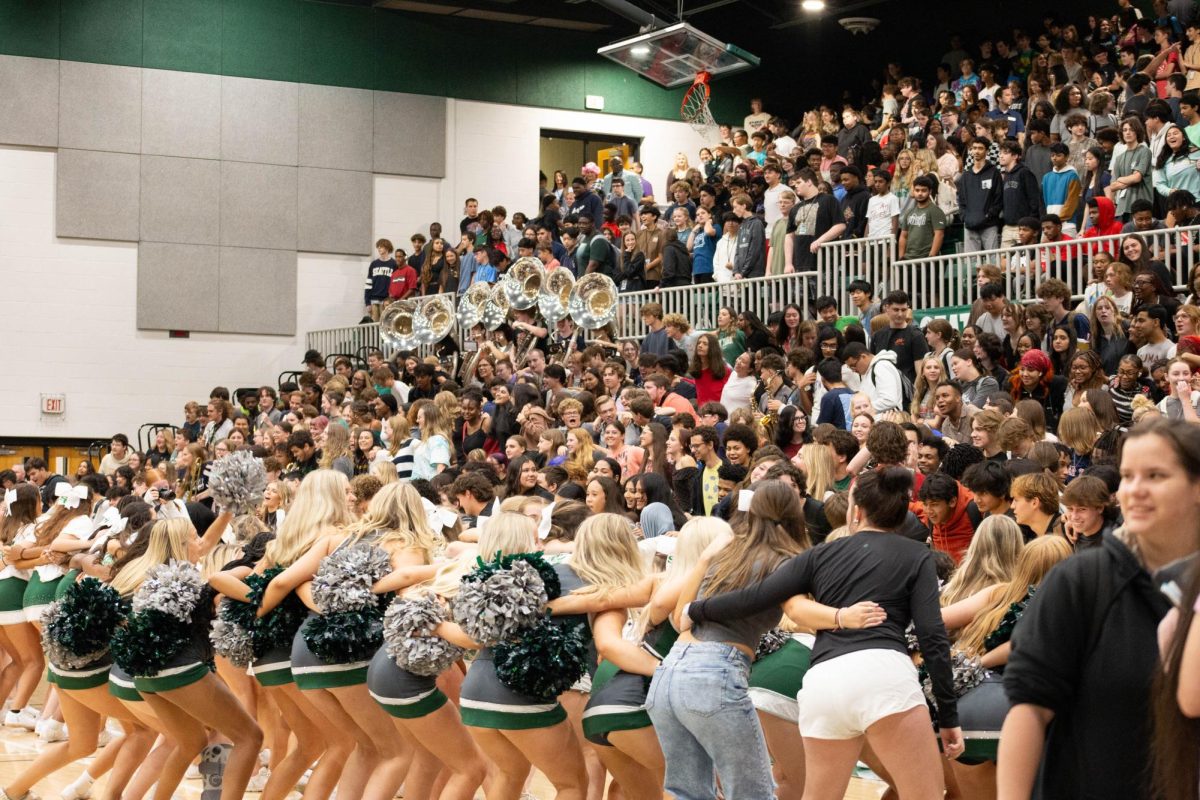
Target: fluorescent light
pixel 640 51
pixel 813 5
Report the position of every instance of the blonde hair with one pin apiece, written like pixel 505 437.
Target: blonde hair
pixel 401 430
pixel 320 504
pixel 218 557
pixel 818 469
pixel 448 406
pixel 384 472
pixel 435 423
pixel 991 559
pixel 396 513
pixel 1078 429
pixel 1037 558
pixel 695 535
pixel 336 444
pixel 606 554
pixel 771 532
pixel 584 457
pixel 505 533
pixel 167 542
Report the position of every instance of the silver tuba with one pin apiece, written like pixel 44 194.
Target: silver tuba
pixel 435 319
pixel 556 295
pixel 523 283
pixel 593 301
pixel 495 310
pixel 471 305
pixel 399 324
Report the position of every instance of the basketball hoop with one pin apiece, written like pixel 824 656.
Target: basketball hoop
pixel 694 109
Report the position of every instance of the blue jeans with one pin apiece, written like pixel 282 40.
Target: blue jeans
pixel 706 723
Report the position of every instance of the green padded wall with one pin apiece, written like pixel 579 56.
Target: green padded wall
pixel 339 45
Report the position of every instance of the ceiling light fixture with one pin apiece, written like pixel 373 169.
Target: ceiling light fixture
pixel 640 51
pixel 813 6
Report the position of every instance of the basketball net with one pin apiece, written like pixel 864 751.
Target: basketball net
pixel 694 109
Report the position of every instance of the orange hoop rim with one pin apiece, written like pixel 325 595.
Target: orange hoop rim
pixel 701 80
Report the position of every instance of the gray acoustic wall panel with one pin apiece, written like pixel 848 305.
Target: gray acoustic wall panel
pixel 335 127
pixel 181 200
pixel 258 205
pixel 257 291
pixel 102 107
pixel 177 286
pixel 181 114
pixel 410 135
pixel 29 101
pixel 97 195
pixel 259 121
pixel 335 211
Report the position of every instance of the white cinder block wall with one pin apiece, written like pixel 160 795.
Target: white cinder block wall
pixel 67 306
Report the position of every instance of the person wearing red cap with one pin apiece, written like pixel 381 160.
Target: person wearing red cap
pixel 1034 379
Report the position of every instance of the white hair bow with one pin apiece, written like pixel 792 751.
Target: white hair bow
pixel 437 516
pixel 113 520
pixel 70 496
pixel 544 525
pixel 10 497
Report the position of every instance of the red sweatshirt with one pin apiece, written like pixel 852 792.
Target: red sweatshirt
pixel 954 536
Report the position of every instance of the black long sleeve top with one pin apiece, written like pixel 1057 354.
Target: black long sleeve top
pixel 891 570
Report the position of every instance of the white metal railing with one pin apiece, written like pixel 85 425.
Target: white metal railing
pixel 699 304
pixel 949 280
pixel 357 339
pixel 938 282
pixel 844 260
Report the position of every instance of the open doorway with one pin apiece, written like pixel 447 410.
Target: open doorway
pixel 568 151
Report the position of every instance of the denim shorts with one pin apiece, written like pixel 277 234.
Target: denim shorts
pixel 700 705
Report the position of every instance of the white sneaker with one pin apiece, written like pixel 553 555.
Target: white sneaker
pixel 264 757
pixel 81 789
pixel 27 718
pixel 258 781
pixel 303 782
pixel 52 731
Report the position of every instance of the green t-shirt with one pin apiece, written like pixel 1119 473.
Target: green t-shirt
pixel 732 345
pixel 842 484
pixel 709 489
pixel 921 223
pixel 1193 134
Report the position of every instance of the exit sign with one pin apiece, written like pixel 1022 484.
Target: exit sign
pixel 54 403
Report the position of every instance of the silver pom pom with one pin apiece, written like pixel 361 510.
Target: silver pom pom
pixel 173 588
pixel 343 581
pixel 408 629
pixel 233 642
pixel 238 482
pixel 492 611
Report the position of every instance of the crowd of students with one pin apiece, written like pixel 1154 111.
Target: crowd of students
pixel 963 556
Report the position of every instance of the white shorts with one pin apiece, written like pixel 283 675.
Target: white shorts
pixel 846 695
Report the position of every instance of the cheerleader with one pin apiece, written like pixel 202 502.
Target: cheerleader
pixel 380 760
pixel 419 704
pixel 615 720
pixel 513 730
pixel 86 703
pixel 18 636
pixel 319 508
pixel 184 695
pixel 65 529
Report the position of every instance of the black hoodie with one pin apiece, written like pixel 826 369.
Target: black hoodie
pixel 854 212
pixel 1086 648
pixel 1022 195
pixel 676 263
pixel 980 198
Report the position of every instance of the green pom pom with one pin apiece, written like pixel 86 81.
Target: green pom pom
pixel 149 641
pixel 544 661
pixel 277 628
pixel 89 613
pixel 501 562
pixel 345 636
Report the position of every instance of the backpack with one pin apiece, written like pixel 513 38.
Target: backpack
pixel 907 390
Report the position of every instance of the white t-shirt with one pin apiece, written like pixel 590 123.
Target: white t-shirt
pixel 881 210
pixel 754 122
pixel 785 146
pixel 738 391
pixel 771 212
pixel 81 528
pixel 990 323
pixel 24 537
